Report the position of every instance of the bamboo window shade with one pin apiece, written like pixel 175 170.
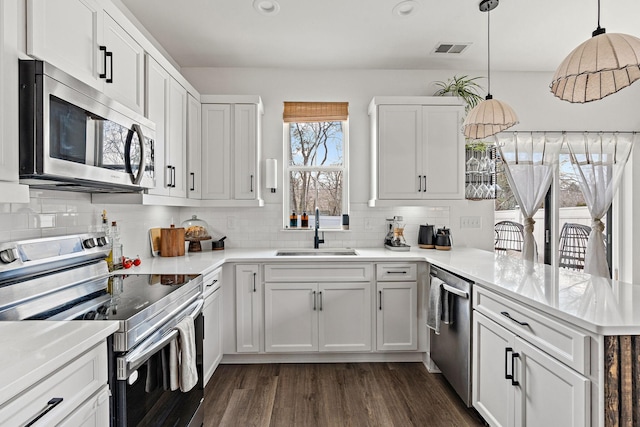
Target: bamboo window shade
pixel 305 112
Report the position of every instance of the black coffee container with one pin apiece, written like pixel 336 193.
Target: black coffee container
pixel 426 237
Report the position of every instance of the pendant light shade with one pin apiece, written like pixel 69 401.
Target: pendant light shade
pixel 489 116
pixel 602 65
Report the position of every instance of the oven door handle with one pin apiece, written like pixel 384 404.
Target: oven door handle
pixel 138 357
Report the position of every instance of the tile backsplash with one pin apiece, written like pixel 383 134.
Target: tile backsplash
pixel 51 213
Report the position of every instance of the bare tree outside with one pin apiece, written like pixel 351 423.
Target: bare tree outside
pixel 316 163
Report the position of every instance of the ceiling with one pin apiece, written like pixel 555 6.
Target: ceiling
pixel 526 35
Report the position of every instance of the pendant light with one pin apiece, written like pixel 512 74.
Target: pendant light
pixel 490 116
pixel 600 66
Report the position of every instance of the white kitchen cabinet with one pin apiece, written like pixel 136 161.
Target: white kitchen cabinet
pixel 396 315
pixel 231 141
pixel 417 149
pixel 94 412
pixel 125 66
pixel 290 316
pixel 194 148
pixel 328 316
pixel 516 384
pixel 248 311
pixel 212 312
pixel 167 107
pixel 65 391
pixel 9 188
pixel 80 38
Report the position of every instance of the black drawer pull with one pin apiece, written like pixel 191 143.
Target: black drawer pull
pixel 50 405
pixel 212 283
pixel 380 306
pixel 508 316
pixel 507 375
pixel 513 358
pixel 396 272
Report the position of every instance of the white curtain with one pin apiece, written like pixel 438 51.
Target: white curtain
pixel 598 161
pixel 529 160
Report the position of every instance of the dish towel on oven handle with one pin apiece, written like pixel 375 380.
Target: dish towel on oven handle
pixel 439 307
pixel 182 357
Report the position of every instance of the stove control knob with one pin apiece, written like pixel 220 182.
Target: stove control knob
pixel 102 241
pixel 8 256
pixel 89 243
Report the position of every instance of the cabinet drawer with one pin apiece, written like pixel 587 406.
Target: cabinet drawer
pixel 73 383
pixel 396 272
pixel 211 282
pixel 344 272
pixel 564 343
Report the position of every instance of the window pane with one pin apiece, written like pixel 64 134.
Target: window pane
pixel 322 189
pixel 316 144
pixel 574 218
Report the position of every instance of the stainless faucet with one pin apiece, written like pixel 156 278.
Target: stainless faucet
pixel 316 239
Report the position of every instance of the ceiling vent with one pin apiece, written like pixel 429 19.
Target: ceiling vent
pixel 451 48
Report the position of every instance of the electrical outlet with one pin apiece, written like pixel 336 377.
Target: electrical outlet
pixel 470 222
pixel 367 224
pixel 231 222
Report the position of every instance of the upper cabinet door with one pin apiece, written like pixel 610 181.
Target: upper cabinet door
pixel 67 34
pixel 194 149
pixel 177 138
pixel 157 98
pixel 400 152
pixel 125 66
pixel 443 154
pixel 246 180
pixel 216 151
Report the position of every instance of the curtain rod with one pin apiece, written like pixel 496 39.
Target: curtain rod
pixel 570 131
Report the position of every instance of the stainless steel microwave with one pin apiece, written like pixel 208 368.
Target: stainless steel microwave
pixel 74 138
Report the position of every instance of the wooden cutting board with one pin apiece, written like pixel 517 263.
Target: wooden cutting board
pixel 172 241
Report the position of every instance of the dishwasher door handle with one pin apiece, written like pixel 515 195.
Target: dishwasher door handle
pixel 455 291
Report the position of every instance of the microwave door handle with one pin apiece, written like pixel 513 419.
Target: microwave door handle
pixel 143 155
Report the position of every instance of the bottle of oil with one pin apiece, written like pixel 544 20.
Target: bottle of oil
pixel 107 232
pixel 293 220
pixel 304 220
pixel 116 246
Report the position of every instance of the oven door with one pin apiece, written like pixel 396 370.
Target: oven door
pixel 144 397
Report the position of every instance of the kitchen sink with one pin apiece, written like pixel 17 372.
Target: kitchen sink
pixel 316 252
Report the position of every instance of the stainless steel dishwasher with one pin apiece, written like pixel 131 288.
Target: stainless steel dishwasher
pixel 451 350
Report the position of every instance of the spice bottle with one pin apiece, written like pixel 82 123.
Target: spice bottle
pixel 293 220
pixel 304 220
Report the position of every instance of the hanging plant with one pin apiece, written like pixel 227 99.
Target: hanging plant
pixel 464 87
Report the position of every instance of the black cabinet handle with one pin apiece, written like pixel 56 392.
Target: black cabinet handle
pixel 193 181
pixel 254 282
pixel 513 358
pixel 252 183
pixel 419 183
pixel 103 74
pixel 169 177
pixel 396 272
pixel 50 405
pixel 320 304
pixel 213 282
pixel 110 56
pixel 314 300
pixel 424 190
pixel 173 177
pixel 508 316
pixel 380 303
pixel 507 375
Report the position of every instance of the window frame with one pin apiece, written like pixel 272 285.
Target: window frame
pixel 288 168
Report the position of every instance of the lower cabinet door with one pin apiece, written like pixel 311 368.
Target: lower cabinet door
pixel 492 392
pixel 248 308
pixel 290 316
pixel 212 343
pixel 344 316
pixel 92 413
pixel 396 314
pixel 550 393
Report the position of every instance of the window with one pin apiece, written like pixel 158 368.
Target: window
pixel 316 136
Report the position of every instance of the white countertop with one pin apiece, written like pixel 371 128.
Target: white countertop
pixel 598 305
pixel 35 349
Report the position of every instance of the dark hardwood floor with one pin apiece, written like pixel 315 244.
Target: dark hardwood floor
pixel 337 394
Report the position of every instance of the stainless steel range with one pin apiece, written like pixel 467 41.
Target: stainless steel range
pixel 67 278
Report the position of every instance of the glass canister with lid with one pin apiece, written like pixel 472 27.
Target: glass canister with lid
pixel 196 230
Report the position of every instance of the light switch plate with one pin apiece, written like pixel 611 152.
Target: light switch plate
pixel 470 222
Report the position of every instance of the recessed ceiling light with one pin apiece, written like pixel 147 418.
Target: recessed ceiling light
pixel 266 7
pixel 406 8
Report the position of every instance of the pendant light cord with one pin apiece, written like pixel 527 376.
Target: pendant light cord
pixel 598 30
pixel 489 53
